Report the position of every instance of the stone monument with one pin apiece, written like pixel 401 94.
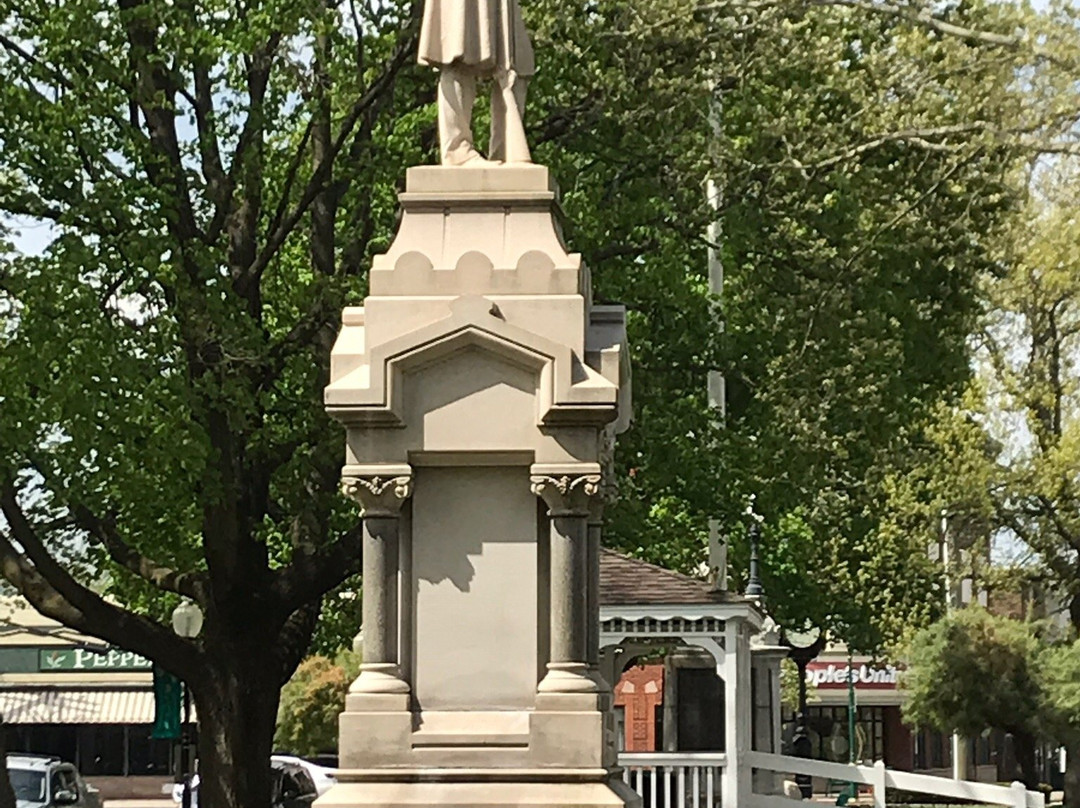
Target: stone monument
pixel 481 389
pixel 470 40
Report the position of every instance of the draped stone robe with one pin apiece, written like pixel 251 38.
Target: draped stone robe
pixel 488 36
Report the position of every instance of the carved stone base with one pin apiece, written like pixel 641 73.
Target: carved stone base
pixel 478 789
pixel 379 677
pixel 568 677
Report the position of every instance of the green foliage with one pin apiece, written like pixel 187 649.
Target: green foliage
pixel 971 671
pixel 863 197
pixel 1060 671
pixel 311 701
pixel 1001 460
pixel 789 685
pixel 852 250
pixel 858 179
pixel 974 670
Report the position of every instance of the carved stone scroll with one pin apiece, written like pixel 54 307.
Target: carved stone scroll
pixel 566 495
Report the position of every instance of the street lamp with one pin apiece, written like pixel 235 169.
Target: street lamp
pixel 187 620
pixel 754 588
pixel 805 646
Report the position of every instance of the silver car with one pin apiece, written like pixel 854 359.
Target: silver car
pixel 41 781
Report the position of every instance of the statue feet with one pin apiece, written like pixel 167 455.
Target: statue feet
pixel 468 157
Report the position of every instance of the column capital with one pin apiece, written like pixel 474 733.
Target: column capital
pixel 566 494
pixel 380 491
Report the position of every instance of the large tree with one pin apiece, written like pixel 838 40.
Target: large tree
pixel 213 181
pixel 212 178
pixel 971 671
pixel 1004 458
pixel 216 174
pixel 862 153
pixel 975 670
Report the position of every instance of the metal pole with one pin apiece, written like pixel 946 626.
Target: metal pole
pixel 851 708
pixel 754 588
pixel 185 749
pixel 800 665
pixel 801 745
pixel 853 789
pixel 958 744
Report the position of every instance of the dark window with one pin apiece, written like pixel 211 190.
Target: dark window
pixel 148 755
pixel 44 739
pixel 28 784
pixel 829 733
pixel 932 750
pixel 982 750
pixel 619 715
pixel 701 710
pixel 658 727
pixel 871 720
pixel 761 695
pixel 101 749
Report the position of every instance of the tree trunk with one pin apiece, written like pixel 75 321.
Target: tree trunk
pixel 1072 776
pixel 236 705
pixel 7 796
pixel 1025 756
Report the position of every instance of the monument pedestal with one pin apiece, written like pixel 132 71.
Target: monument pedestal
pixel 488 788
pixel 481 390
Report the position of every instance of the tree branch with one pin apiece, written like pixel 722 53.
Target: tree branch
pixel 250 134
pixel 314 571
pixel 295 636
pixel 188 584
pixel 216 179
pixel 324 205
pixel 155 97
pixel 322 174
pixel 925 18
pixel 55 593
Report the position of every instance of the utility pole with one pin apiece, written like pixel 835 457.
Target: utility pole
pixel 952 601
pixel 715 381
pixel 716 394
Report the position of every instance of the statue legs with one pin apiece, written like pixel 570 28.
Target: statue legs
pixel 508 142
pixel 457 96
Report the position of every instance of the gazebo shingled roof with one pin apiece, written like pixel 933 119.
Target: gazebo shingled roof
pixel 626 581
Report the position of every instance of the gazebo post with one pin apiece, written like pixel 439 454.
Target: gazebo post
pixel 737 713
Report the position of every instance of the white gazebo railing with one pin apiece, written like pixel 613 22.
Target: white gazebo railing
pixel 675 779
pixel 880 779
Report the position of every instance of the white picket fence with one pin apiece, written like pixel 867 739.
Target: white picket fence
pixel 675 779
pixel 880 778
pixel 694 780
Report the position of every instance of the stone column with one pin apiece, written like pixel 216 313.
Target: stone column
pixel 380 500
pixel 592 592
pixel 567 498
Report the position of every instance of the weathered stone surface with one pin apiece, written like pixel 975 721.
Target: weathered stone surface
pixel 481 389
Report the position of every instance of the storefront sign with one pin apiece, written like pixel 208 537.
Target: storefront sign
pixel 865 676
pixel 79 659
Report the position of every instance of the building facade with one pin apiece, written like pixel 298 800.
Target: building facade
pixel 68 695
pixel 880 733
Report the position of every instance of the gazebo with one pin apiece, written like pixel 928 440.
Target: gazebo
pixel 719 699
pixel 720 692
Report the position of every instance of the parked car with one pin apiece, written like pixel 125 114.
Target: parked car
pixel 44 781
pixel 295 783
pixel 324 778
pixel 292 786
